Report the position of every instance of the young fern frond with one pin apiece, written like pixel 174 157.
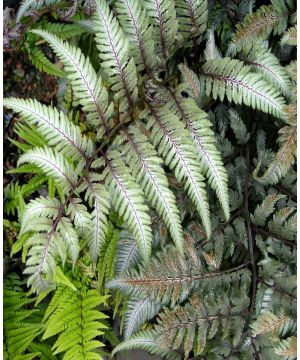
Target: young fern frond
pixel 146 168
pixel 198 125
pixel 77 322
pixel 54 126
pixel 290 37
pixel 211 51
pixel 231 78
pixel 192 17
pixel 113 52
pixel 175 145
pixel 136 25
pixel 87 86
pixel 42 63
pixel 128 201
pixel 162 16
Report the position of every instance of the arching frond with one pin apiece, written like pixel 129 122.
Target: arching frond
pixel 147 170
pixel 135 23
pixel 127 252
pixel 33 5
pixel 53 164
pixel 54 126
pixel 270 323
pixel 231 78
pixel 42 63
pixel 174 144
pixel 128 201
pixel 211 51
pixel 290 37
pixel 287 348
pixel 87 86
pixel 113 51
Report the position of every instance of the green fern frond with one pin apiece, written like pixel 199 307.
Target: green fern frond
pixel 192 17
pixel 191 80
pixel 86 84
pixel 162 16
pixel 63 31
pixel 146 169
pixel 42 63
pixel 270 323
pixel 128 201
pixel 135 23
pixel 77 323
pixel 54 126
pixel 175 145
pixel 53 164
pixel 210 161
pixel 238 127
pixel 265 209
pixel 211 51
pixel 113 52
pixel 231 78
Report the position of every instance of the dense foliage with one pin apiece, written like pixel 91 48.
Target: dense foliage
pixel 154 207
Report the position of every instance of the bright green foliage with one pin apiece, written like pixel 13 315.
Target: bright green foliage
pixel 77 322
pixel 42 63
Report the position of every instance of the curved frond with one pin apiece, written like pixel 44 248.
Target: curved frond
pixel 127 252
pixel 33 5
pixel 87 86
pixel 54 126
pixel 231 78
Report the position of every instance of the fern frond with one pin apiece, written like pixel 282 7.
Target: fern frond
pixel 175 146
pixel 54 126
pixel 192 17
pixel 265 209
pixel 146 340
pixel 162 16
pixel 63 31
pixel 42 63
pixel 19 327
pixel 87 86
pixel 263 61
pixel 79 215
pixel 211 51
pixel 128 201
pixel 171 277
pixel 148 172
pixel 113 51
pixel 287 348
pixel 33 5
pixel 260 24
pixel 77 323
pixel 53 164
pixel 198 125
pixel 191 80
pixel 238 127
pixel 231 78
pixel 127 253
pixel 270 323
pixel 137 313
pixel 97 198
pixel 290 37
pixel 284 158
pixel 135 23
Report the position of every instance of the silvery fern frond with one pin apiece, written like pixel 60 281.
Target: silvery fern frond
pixel 33 5
pixel 54 126
pixel 87 86
pixel 128 200
pixel 235 80
pixel 162 16
pixel 175 146
pixel 147 169
pixel 136 25
pixel 113 51
pixel 192 17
